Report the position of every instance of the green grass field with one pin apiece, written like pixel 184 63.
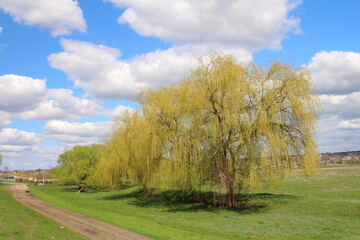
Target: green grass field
pixel 325 206
pixel 20 222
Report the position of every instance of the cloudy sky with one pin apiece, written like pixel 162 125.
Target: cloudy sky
pixel 68 68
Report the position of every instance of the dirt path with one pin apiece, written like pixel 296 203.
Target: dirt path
pixel 89 227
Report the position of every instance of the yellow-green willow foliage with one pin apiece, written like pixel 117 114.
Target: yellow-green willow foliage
pixel 132 155
pixel 228 127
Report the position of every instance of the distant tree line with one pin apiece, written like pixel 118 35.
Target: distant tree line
pixel 228 128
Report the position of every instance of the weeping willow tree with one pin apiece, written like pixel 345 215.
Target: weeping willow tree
pixel 233 127
pixel 229 127
pixel 132 154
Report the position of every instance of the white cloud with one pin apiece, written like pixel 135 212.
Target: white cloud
pixel 28 98
pixel 163 68
pixel 339 123
pixel 61 17
pixel 15 148
pixel 350 124
pixel 11 136
pixel 336 72
pixel 61 104
pixel 335 135
pixel 337 77
pixel 1 30
pixel 5 119
pixel 240 23
pixel 24 150
pixel 98 70
pixel 69 134
pixel 30 157
pixel 77 128
pixel 343 106
pixel 237 27
pixel 118 112
pixel 18 93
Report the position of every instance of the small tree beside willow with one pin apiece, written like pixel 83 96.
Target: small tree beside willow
pixel 228 127
pixel 78 166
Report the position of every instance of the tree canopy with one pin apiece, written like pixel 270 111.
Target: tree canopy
pixel 229 127
pixel 78 166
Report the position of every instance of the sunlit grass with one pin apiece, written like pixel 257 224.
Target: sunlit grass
pixel 325 206
pixel 20 222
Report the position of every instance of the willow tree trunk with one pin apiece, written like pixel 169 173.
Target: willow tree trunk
pixel 196 197
pixel 230 196
pixel 148 192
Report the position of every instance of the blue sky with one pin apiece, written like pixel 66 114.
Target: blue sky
pixel 68 68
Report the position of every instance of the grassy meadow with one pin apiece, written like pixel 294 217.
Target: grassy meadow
pixel 325 206
pixel 20 222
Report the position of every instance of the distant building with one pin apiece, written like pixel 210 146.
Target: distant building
pixel 28 179
pixel 340 158
pixel 7 176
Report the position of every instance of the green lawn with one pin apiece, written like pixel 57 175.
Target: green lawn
pixel 325 206
pixel 20 222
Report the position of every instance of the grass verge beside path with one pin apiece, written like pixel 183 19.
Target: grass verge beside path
pixel 325 206
pixel 20 222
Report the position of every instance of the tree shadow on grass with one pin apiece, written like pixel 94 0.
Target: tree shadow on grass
pixel 178 201
pixel 138 193
pixel 74 188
